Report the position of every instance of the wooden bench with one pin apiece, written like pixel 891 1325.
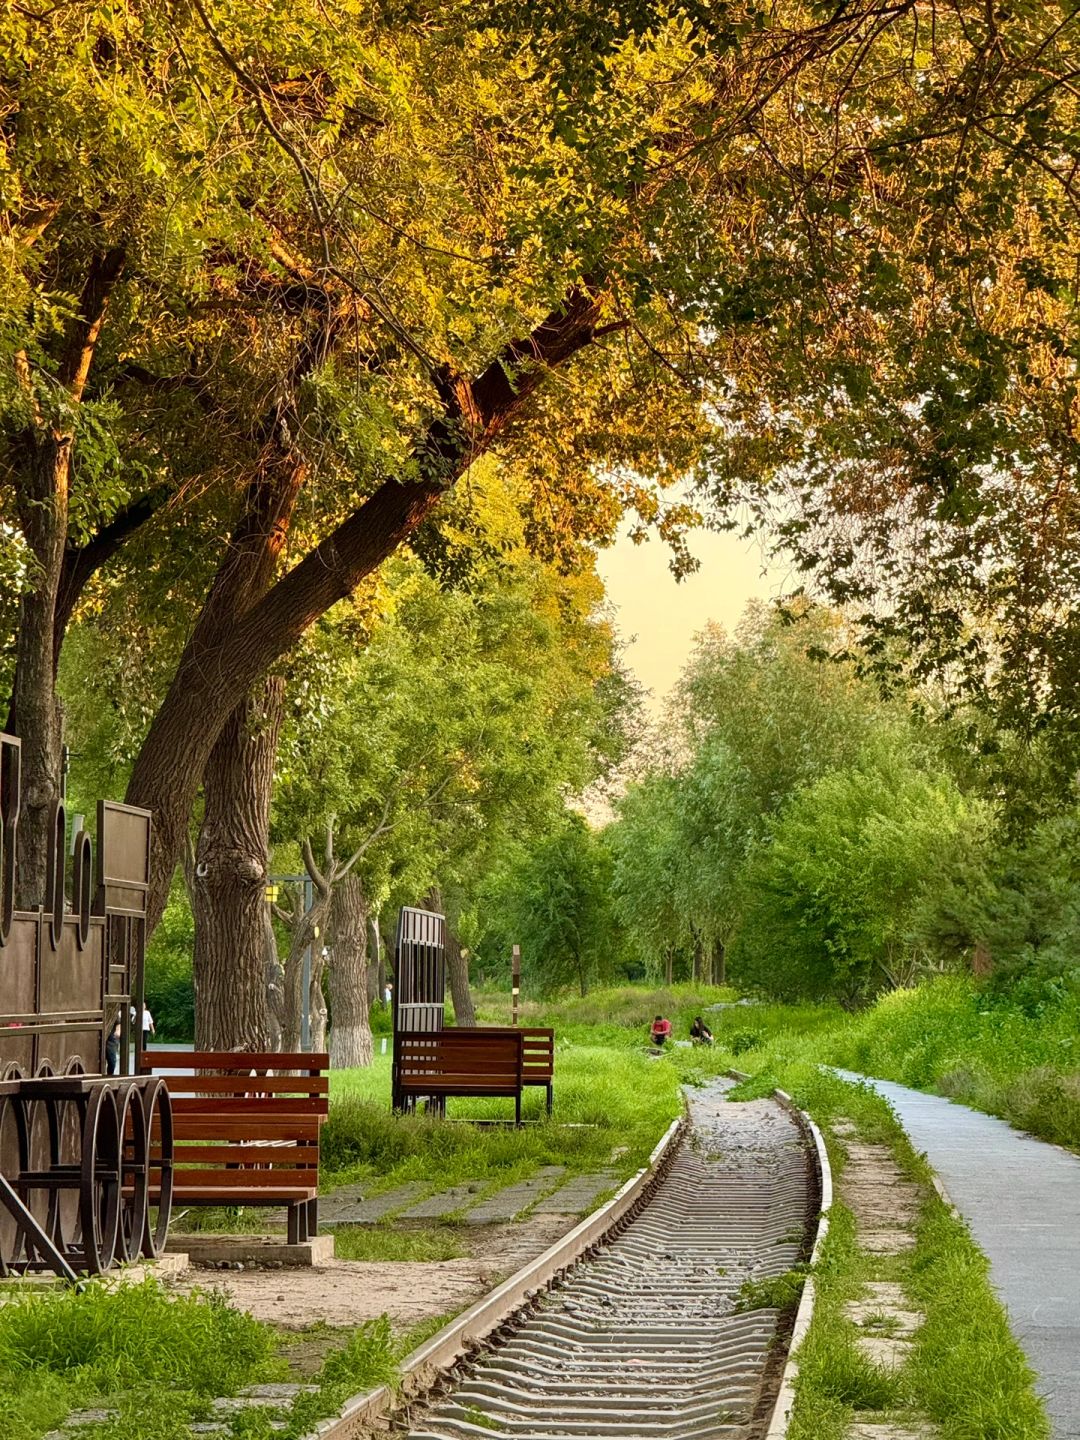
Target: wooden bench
pixel 246 1129
pixel 458 1062
pixel 537 1053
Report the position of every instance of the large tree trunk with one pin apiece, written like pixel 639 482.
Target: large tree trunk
pixel 35 709
pixel 350 1028
pixel 719 970
pixel 309 928
pixel 225 656
pixel 231 1001
pixel 43 456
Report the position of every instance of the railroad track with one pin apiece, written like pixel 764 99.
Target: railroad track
pixel 647 1339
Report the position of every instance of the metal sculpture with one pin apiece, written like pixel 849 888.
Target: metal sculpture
pixel 419 984
pixel 85 1158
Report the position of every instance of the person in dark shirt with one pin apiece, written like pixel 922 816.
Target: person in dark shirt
pixel 660 1032
pixel 112 1049
pixel 700 1033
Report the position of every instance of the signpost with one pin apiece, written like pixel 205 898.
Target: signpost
pixel 515 981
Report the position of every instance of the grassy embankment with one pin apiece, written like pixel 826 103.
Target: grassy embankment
pixel 982 1049
pixel 612 1103
pixel 160 1361
pixel 966 1373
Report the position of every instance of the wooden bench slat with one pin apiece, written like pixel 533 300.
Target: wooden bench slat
pixel 209 1128
pixel 215 1195
pixel 279 1106
pixel 241 1179
pixel 306 1085
pixel 270 1153
pixel 313 1061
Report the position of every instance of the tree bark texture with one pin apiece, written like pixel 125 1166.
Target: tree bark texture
pixel 35 709
pixel 309 928
pixel 226 654
pixel 350 1027
pixel 230 904
pixel 42 461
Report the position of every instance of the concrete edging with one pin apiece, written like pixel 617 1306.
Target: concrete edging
pixel 420 1368
pixel 804 1314
pixel 785 1397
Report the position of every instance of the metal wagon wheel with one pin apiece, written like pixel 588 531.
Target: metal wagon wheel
pixel 39 1122
pixel 14 1159
pixel 99 1184
pixel 157 1108
pixel 134 1172
pixel 70 1119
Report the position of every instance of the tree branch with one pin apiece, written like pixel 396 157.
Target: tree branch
pixel 81 335
pixel 82 562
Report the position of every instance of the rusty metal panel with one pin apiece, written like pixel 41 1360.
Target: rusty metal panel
pixel 70 977
pixel 18 971
pixel 123 858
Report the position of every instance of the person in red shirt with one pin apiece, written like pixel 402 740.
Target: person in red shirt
pixel 661 1030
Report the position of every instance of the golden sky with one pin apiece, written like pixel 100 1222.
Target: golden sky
pixel 658 616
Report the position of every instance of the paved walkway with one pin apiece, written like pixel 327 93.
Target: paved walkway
pixel 1021 1198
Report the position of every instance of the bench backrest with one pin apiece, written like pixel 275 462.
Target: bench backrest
pixel 537 1048
pixel 473 1057
pixel 239 1112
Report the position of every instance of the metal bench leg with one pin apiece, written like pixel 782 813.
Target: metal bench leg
pixel 294 1223
pixel 517 1108
pixel 312 1218
pixel 550 1097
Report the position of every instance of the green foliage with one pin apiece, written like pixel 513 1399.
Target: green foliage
pixel 832 894
pixel 778 1292
pixel 170 986
pixel 135 1346
pixel 556 906
pixel 611 1107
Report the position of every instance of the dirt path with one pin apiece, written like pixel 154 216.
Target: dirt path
pixel 348 1292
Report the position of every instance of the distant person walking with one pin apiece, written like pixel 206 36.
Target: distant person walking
pixel 388 994
pixel 112 1049
pixel 147 1026
pixel 660 1032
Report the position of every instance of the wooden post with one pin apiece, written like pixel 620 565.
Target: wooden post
pixel 515 981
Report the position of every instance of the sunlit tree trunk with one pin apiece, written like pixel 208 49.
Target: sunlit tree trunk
pixel 350 1029
pixel 229 890
pixel 39 463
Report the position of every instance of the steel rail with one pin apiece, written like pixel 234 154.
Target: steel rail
pixel 613 1370
pixel 467 1331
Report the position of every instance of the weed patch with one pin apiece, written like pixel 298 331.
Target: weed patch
pixel 385 1242
pixel 966 1372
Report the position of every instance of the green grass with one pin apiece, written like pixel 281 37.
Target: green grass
pixel 384 1242
pixel 617 1016
pixel 966 1372
pixel 159 1360
pixel 949 1036
pixel 611 1107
